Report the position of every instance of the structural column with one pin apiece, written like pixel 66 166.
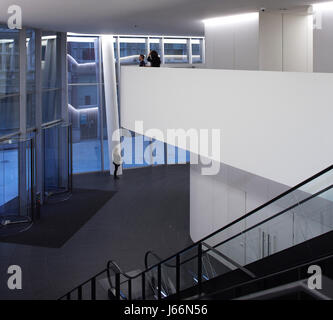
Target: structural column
pixel 111 102
pixel 23 122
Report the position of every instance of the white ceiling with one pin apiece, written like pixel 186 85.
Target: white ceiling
pixel 168 17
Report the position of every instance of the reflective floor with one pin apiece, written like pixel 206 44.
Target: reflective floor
pixel 87 158
pixel 150 211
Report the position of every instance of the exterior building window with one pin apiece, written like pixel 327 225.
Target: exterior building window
pixel 85 102
pixel 51 87
pixel 31 79
pixel 130 49
pixel 154 44
pixel 9 81
pixel 175 50
pixel 196 51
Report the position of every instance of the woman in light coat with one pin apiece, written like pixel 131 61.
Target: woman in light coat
pixel 117 161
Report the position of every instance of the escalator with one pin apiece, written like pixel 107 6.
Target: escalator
pixel 270 247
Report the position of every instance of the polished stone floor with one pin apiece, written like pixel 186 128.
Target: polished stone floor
pixel 149 212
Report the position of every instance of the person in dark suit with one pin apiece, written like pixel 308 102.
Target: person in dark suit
pixel 154 59
pixel 142 62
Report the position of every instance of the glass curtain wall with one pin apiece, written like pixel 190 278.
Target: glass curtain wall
pixel 155 44
pixel 42 100
pixel 9 81
pixel 9 113
pixel 31 78
pixel 85 97
pixel 51 86
pixel 130 49
pixel 87 105
pixel 196 51
pixel 175 50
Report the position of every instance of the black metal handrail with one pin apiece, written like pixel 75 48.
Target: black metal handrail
pixel 199 243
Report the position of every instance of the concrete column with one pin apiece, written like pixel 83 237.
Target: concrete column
pixel 111 103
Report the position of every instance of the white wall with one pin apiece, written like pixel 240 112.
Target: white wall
pixel 274 41
pixel 323 41
pixel 277 125
pixel 286 40
pixel 270 41
pixel 232 45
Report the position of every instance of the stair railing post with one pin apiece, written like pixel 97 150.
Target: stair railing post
pixel 159 282
pixel 129 289
pixel 93 289
pixel 79 293
pixel 200 268
pixel 118 286
pixel 177 274
pixel 143 279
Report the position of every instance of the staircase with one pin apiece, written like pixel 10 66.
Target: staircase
pixel 263 255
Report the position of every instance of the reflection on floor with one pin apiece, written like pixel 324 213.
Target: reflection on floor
pixel 87 158
pixel 150 211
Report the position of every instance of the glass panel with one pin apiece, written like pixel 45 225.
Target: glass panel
pixel 154 44
pixel 50 59
pixel 85 104
pixel 189 268
pixel 314 217
pixel 169 277
pixel 196 51
pixel 31 79
pixel 57 167
pixel 51 103
pixel 9 62
pixel 130 49
pixel 16 185
pixel 82 57
pixel 213 264
pixel 83 97
pixel 301 215
pixel 8 174
pixel 175 51
pixel 9 114
pixel 151 284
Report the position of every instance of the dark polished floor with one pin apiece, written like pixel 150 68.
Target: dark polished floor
pixel 150 211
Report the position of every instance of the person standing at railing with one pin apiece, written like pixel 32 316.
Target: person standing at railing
pixel 154 59
pixel 142 62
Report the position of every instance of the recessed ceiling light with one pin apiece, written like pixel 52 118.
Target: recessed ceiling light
pixel 323 6
pixel 232 19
